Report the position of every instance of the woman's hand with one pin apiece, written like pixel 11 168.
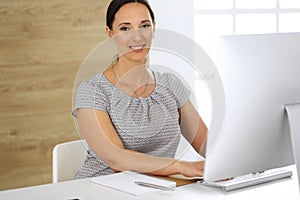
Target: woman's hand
pixel 191 169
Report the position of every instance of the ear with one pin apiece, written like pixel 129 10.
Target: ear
pixel 154 25
pixel 154 28
pixel 109 32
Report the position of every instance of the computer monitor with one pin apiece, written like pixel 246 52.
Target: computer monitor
pixel 261 76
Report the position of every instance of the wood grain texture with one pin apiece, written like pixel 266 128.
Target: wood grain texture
pixel 42 45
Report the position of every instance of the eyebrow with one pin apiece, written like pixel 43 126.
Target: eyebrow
pixel 128 23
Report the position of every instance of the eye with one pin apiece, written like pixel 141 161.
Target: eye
pixel 124 28
pixel 146 26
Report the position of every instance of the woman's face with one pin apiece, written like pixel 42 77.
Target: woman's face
pixel 132 31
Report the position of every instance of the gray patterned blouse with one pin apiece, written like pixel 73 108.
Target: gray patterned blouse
pixel 148 125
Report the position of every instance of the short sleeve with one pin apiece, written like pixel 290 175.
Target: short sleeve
pixel 90 95
pixel 180 91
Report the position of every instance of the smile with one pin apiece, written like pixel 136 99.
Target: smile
pixel 139 47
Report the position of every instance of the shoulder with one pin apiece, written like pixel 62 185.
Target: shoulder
pixel 95 83
pixel 165 77
pixel 95 88
pixel 170 80
pixel 174 86
pixel 92 93
pixel 96 79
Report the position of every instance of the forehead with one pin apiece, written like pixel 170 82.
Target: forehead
pixel 133 13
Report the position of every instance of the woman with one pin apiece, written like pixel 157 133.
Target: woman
pixel 132 117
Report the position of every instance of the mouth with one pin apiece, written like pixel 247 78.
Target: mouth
pixel 137 47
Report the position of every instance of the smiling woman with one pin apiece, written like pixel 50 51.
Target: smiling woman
pixel 133 117
pixel 132 32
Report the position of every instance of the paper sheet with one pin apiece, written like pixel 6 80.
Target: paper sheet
pixel 125 181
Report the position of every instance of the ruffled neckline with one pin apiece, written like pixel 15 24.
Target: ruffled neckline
pixel 116 89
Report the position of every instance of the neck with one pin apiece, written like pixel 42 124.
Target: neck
pixel 131 77
pixel 131 74
pixel 131 70
pixel 124 66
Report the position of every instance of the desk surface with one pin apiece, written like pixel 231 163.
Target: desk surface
pixel 282 189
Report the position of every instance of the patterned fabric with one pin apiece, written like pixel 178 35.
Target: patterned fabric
pixel 148 125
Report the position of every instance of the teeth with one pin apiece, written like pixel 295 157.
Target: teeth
pixel 136 47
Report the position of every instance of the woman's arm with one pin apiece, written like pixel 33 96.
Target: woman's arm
pixel 193 128
pixel 97 129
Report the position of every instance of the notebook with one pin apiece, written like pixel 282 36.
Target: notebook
pixel 127 182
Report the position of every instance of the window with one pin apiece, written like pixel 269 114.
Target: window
pixel 214 18
pixel 220 17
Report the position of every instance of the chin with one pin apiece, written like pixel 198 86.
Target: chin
pixel 137 57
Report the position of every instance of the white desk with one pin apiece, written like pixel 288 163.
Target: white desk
pixel 283 189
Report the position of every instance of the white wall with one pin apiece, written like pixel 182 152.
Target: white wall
pixel 177 16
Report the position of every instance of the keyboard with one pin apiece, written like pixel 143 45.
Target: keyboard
pixel 250 179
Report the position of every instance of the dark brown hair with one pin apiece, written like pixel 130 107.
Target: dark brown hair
pixel 115 5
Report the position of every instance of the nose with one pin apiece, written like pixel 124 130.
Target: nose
pixel 136 34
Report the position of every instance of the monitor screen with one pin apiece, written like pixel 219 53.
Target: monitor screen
pixel 260 75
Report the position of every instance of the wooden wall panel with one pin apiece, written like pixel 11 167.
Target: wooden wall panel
pixel 42 44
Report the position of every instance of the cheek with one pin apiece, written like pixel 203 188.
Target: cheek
pixel 121 43
pixel 148 37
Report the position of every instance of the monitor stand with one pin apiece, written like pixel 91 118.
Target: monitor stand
pixel 293 113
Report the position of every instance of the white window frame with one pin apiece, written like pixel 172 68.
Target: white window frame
pixel 234 11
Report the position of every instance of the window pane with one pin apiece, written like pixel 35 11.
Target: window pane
pixel 209 27
pixel 289 22
pixel 246 4
pixel 213 4
pixel 289 3
pixel 255 23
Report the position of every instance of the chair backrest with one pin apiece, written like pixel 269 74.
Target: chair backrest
pixel 66 159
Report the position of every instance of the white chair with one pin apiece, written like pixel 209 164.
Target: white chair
pixel 66 159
